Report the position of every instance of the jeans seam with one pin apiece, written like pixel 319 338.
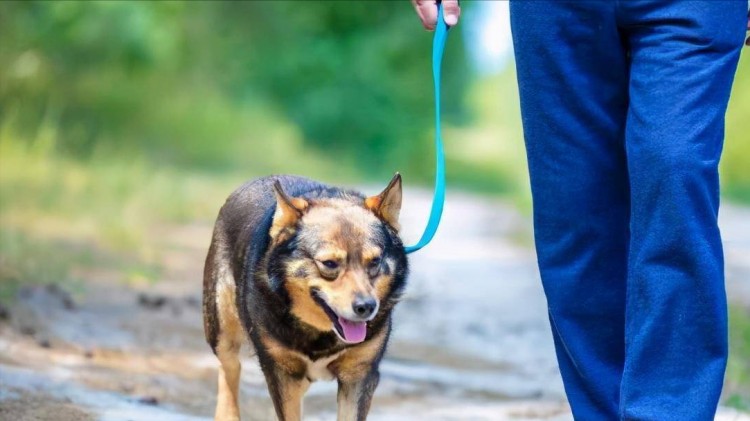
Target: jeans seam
pixel 562 342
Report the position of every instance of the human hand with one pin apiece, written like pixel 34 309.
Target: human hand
pixel 427 11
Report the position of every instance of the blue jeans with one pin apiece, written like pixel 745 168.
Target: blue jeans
pixel 623 108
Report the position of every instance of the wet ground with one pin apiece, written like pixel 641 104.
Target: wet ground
pixel 471 340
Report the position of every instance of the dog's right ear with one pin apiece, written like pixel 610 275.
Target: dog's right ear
pixel 288 211
pixel 387 205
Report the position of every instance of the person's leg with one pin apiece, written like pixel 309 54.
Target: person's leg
pixel 684 55
pixel 572 76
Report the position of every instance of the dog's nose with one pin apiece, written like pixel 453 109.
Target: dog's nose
pixel 363 307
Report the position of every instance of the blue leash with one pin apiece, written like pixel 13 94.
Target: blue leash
pixel 438 45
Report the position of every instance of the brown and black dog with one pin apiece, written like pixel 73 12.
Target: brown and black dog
pixel 310 274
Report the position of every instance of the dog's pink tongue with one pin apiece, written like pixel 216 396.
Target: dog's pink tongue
pixel 354 332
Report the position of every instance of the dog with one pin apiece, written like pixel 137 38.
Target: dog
pixel 310 274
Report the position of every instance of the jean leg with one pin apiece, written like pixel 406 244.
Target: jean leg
pixel 573 78
pixel 684 55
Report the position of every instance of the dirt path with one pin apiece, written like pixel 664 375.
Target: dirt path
pixel 471 339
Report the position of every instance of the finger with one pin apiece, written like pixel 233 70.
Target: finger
pixel 427 11
pixel 451 12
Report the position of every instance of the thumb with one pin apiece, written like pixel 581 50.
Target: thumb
pixel 451 12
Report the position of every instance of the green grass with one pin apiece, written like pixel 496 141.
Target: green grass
pixel 29 259
pixel 737 388
pixel 735 177
pixel 22 258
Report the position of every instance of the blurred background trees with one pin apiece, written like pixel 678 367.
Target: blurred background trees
pixel 270 86
pixel 205 84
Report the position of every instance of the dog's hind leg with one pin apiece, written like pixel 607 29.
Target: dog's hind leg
pixel 227 350
pixel 227 408
pixel 224 331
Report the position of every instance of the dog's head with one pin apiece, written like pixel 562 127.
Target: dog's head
pixel 340 259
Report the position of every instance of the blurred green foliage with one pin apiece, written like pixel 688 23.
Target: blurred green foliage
pixel 735 176
pixel 205 84
pixel 252 86
pixel 737 386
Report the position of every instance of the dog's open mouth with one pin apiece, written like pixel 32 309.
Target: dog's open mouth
pixel 349 331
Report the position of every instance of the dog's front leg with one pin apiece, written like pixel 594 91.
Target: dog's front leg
pixel 354 397
pixel 286 376
pixel 358 376
pixel 286 393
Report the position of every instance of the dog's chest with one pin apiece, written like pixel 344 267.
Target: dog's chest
pixel 318 369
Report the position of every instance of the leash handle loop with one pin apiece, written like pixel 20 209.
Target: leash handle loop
pixel 438 45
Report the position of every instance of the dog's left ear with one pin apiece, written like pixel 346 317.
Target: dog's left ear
pixel 387 205
pixel 288 210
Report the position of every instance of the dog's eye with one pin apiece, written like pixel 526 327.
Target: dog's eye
pixel 375 262
pixel 330 264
